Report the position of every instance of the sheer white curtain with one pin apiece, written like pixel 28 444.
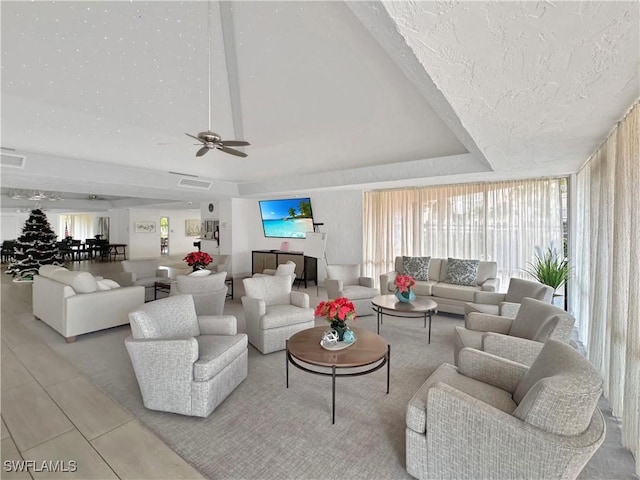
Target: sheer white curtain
pixel 604 294
pixel 80 227
pixel 499 221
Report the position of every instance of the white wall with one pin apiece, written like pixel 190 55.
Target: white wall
pixel 238 229
pixel 341 213
pixel 147 245
pixel 11 224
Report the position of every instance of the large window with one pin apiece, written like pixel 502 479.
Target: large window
pixel 604 291
pixel 498 221
pixel 80 227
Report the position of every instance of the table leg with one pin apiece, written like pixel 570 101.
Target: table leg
pixel 333 395
pixel 429 327
pixel 388 365
pixel 286 359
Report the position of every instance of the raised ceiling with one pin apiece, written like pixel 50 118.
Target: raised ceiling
pixel 97 96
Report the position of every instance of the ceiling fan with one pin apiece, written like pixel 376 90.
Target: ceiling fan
pixel 211 140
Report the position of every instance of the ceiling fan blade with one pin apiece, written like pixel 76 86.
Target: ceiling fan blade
pixel 232 151
pixel 192 136
pixel 234 143
pixel 202 151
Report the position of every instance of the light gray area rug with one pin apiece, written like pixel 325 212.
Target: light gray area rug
pixel 264 430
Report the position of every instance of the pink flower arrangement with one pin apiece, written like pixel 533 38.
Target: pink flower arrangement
pixel 338 310
pixel 404 283
pixel 198 258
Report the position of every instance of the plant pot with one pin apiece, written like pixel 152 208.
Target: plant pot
pixel 405 297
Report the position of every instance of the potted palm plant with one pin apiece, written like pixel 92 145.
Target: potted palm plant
pixel 549 268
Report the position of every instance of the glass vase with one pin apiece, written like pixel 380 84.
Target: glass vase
pixel 340 327
pixel 405 297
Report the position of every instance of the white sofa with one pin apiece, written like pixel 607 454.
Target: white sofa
pixel 449 297
pixel 74 302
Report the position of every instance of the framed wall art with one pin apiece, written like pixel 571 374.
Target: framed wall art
pixel 192 227
pixel 145 227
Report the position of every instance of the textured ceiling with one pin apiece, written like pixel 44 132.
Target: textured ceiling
pixel 98 95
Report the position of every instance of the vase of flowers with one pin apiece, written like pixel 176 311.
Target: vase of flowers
pixel 403 285
pixel 198 260
pixel 337 312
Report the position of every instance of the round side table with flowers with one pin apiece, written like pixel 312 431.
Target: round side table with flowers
pixel 337 312
pixel 198 260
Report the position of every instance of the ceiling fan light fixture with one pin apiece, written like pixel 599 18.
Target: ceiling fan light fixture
pixel 211 140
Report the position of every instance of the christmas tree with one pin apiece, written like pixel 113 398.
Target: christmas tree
pixel 36 246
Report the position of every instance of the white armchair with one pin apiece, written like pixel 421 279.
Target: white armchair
pixel 220 263
pixel 345 281
pixel 519 339
pixel 142 272
pixel 185 363
pixel 507 304
pixel 494 418
pixel 209 293
pixel 273 312
pixel 284 269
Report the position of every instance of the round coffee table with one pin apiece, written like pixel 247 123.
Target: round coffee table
pixel 418 308
pixel 369 349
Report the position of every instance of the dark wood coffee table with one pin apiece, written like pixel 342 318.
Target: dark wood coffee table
pixel 369 349
pixel 418 308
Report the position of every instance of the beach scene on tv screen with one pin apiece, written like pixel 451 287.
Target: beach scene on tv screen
pixel 288 218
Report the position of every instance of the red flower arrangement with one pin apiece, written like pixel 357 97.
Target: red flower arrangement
pixel 198 259
pixel 404 283
pixel 339 310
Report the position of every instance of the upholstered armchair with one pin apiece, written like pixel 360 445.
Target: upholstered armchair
pixel 284 269
pixel 185 363
pixel 209 293
pixel 507 304
pixel 345 281
pixel 519 339
pixel 494 418
pixel 142 272
pixel 273 312
pixel 220 263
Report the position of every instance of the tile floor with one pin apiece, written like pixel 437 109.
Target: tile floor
pixel 50 411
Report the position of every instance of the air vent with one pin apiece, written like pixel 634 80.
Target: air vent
pixel 12 161
pixel 190 183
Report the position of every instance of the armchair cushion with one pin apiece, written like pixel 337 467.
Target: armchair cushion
pixel 349 274
pixel 559 392
pixel 357 292
pixel 171 317
pixel 520 289
pixel 217 325
pixel 536 320
pixel 284 315
pixel 487 323
pixel 274 290
pixel 448 374
pixel 215 353
pixel 492 369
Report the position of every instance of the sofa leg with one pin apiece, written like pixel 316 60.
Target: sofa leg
pixel 70 339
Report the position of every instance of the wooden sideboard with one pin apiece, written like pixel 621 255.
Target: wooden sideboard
pixel 306 267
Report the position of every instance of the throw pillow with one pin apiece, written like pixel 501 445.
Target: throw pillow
pixel 417 267
pixel 200 273
pixel 462 272
pixel 107 284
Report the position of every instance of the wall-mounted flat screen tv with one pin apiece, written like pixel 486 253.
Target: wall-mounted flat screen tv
pixel 286 218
